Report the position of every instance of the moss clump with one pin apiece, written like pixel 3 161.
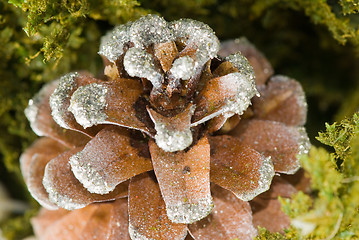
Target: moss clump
pixel 349 6
pixel 264 234
pixel 340 137
pixel 61 23
pixel 321 12
pixel 18 227
pixel 332 211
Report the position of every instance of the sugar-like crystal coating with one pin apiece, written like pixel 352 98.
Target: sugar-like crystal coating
pixel 172 140
pixel 59 199
pixel 88 104
pixel 139 63
pixel 196 33
pixel 135 234
pixel 244 89
pixel 266 172
pixel 57 99
pixel 150 29
pixel 241 88
pixel 182 68
pixel 31 111
pixel 88 176
pixel 173 134
pixel 304 142
pixel 303 147
pixel 186 212
pixel 113 42
pixel 241 62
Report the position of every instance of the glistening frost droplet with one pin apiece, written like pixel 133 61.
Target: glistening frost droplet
pixel 172 140
pixel 195 33
pixel 139 63
pixel 88 176
pixel 240 89
pixel 57 99
pixel 241 62
pixel 113 42
pixel 182 68
pixel 185 212
pixel 150 29
pixel 88 103
pixel 266 172
pixel 32 110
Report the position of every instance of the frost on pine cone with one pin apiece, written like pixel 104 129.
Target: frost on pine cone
pixel 176 138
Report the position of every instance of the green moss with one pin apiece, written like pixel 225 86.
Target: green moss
pixel 60 23
pixel 264 234
pixel 19 227
pixel 320 12
pixel 339 136
pixel 349 6
pixel 333 210
pixel 298 205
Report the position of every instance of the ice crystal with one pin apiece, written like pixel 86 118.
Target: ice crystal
pixel 88 103
pixel 266 175
pixel 303 141
pixel 113 42
pixel 240 62
pixel 60 200
pixel 195 33
pixel 89 177
pixel 182 68
pixel 62 92
pixel 241 88
pixel 186 212
pixel 172 140
pixel 139 63
pixel 170 135
pixel 32 110
pixel 150 29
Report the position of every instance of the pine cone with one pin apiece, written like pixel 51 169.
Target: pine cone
pixel 169 117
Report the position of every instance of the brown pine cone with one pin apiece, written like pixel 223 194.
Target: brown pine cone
pixel 135 152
